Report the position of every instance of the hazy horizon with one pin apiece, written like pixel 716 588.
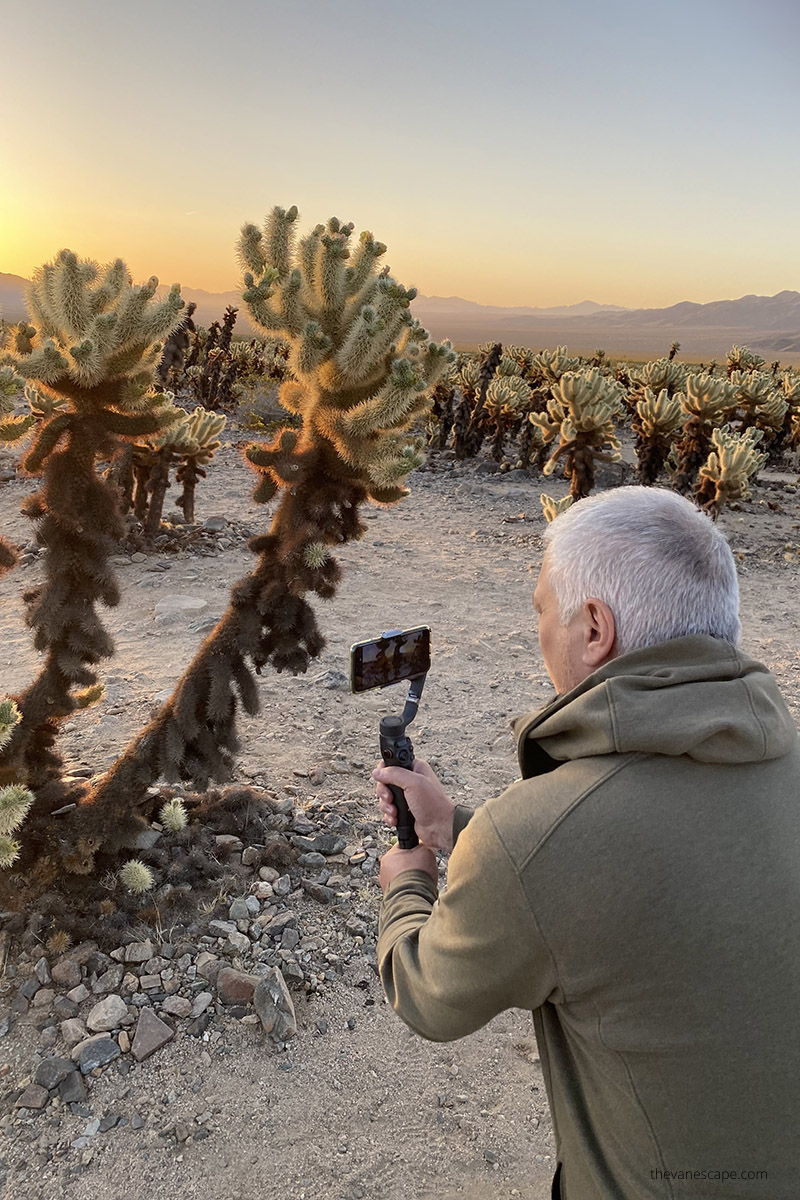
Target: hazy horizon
pixel 536 155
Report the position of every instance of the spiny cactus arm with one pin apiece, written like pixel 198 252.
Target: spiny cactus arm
pixel 731 465
pixel 553 508
pixel 9 717
pixel 46 442
pixel 771 411
pixel 13 429
pixel 362 265
pixel 661 414
pixel 15 804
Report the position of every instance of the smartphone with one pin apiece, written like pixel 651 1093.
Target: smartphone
pixel 394 656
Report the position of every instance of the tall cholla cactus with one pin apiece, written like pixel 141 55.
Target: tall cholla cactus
pixel 656 422
pixel 97 338
pixel 731 465
pixel 467 373
pixel 581 415
pixel 707 402
pixel 507 398
pixel 362 368
pixel 662 374
pixel 191 440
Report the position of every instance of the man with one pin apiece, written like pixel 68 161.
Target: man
pixel 639 888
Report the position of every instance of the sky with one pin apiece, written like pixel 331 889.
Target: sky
pixel 511 153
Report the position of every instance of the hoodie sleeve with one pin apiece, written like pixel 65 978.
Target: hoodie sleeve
pixel 450 964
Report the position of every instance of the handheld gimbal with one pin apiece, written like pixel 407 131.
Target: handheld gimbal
pixel 397 751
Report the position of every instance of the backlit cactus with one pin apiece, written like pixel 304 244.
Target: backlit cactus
pixel 12 427
pixel 661 374
pixel 190 440
pixel 15 800
pixel 90 364
pixel 739 358
pixel 656 421
pixel 362 368
pixel 706 403
pixel 581 415
pixel 507 399
pixel 554 363
pixel 733 462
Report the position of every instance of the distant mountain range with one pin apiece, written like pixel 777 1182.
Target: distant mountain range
pixel 768 324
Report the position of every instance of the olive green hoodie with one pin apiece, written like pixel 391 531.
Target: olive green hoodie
pixel 639 891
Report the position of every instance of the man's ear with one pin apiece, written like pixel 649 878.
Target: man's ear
pixel 601 633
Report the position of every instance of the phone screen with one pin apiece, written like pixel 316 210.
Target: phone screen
pixel 394 656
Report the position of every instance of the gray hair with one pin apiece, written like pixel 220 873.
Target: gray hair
pixel 661 565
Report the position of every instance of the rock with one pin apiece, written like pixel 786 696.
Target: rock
pixel 51 1071
pixel 147 838
pixel 73 1031
pixel 215 524
pixel 44 998
pixel 268 875
pixel 312 859
pixel 252 905
pixel 138 952
pixel 274 1006
pixel 228 843
pixel 34 1096
pixel 72 1089
pixel 123 1041
pixel 282 886
pixel 329 843
pixel 149 983
pixel 64 1008
pixel 175 605
pixel 239 911
pixel 235 987
pixel 177 1006
pixel 97 1052
pixel 201 1003
pixel 221 928
pixel 109 980
pixel 29 988
pixel 81 953
pixel 108 1014
pixel 239 942
pixel 6 1025
pixel 78 994
pixel 262 890
pixel 42 971
pixel 318 892
pixel 151 1034
pixel 208 966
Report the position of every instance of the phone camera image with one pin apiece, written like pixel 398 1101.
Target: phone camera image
pixel 391 658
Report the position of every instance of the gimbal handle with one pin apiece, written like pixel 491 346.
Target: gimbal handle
pixel 397 751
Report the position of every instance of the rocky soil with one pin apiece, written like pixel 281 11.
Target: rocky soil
pixel 246 1049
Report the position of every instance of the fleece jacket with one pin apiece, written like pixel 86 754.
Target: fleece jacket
pixel 639 891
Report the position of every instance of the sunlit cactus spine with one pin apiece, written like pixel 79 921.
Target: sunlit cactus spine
pixel 552 508
pixel 555 363
pixel 656 422
pixel 363 368
pixel 581 417
pixel 97 340
pixel 661 374
pixel 707 402
pixel 732 463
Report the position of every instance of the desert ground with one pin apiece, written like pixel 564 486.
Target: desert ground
pixel 354 1107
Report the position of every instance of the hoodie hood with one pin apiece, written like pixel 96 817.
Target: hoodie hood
pixel 697 696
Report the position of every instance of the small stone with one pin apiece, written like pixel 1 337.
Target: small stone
pixel 64 1008
pixel 221 928
pixel 268 875
pixel 329 843
pixel 130 982
pixel 73 1031
pixel 174 604
pixel 239 942
pixel 97 1053
pixel 123 1041
pixel 262 890
pixel 34 1096
pixel 29 988
pixel 318 892
pixel 79 994
pixel 177 1006
pixel 138 952
pixel 107 1014
pixel 109 1121
pixel 137 1122
pixel 239 911
pixel 274 1006
pixel 201 1003
pixel 311 859
pixel 149 983
pixel 43 998
pixel 228 843
pixel 72 1089
pixel 252 905
pixel 208 966
pixel 109 980
pixel 91 1128
pixel 51 1071
pixel 6 1025
pixel 282 886
pixel 235 987
pixel 42 971
pixel 151 1034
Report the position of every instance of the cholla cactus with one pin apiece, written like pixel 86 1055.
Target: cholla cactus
pixel 553 508
pixel 582 414
pixel 739 358
pixel 136 876
pixel 507 399
pixel 552 364
pixel 173 816
pixel 191 440
pixel 470 422
pixel 363 368
pixel 656 422
pixel 442 414
pixel 662 374
pixel 731 465
pixel 707 402
pixel 11 428
pixel 97 338
pixel 15 800
pixel 467 374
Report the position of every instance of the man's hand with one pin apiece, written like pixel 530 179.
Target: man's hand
pixel 430 807
pixel 396 860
